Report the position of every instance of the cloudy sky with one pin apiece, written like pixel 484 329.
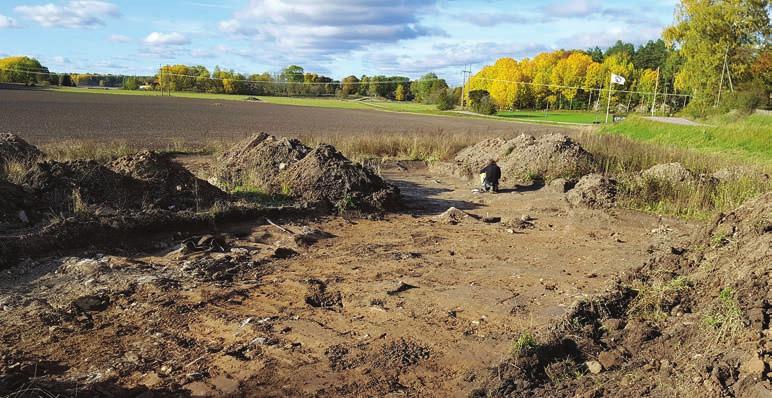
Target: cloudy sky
pixel 334 37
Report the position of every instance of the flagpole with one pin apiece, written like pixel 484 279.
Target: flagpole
pixel 608 103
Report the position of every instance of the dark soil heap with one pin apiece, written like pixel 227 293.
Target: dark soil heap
pixel 328 176
pixel 168 184
pixel 286 166
pixel 16 205
pixel 525 157
pixel 692 321
pixel 595 191
pixel 13 148
pixel 258 161
pixel 64 186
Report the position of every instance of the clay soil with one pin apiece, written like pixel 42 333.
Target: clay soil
pixel 412 304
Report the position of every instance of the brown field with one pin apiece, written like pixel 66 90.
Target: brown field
pixel 42 116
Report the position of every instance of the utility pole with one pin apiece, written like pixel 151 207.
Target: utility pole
pixel 654 100
pixel 721 82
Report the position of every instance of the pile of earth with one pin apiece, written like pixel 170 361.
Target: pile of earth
pixel 526 157
pixel 287 167
pixel 258 161
pixel 136 182
pixel 595 191
pixel 692 321
pixel 13 148
pixel 16 205
pixel 169 185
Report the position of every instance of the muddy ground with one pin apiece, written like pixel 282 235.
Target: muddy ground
pixel 42 116
pixel 416 303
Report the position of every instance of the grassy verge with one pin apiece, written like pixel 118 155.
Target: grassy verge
pixel 580 117
pixel 733 137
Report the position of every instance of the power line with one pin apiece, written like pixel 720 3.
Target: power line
pixel 570 87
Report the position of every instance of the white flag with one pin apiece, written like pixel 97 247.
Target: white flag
pixel 616 79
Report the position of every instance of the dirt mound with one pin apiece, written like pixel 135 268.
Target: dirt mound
pixel 699 316
pixel 595 191
pixel 13 148
pixel 673 172
pixel 258 161
pixel 526 157
pixel 169 185
pixel 68 186
pixel 734 173
pixel 454 216
pixel 15 205
pixel 324 174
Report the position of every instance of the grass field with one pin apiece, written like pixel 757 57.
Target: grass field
pixel 737 137
pixel 578 117
pixel 581 117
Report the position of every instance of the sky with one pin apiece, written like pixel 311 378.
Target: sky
pixel 332 37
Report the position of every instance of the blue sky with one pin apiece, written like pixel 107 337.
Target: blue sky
pixel 333 37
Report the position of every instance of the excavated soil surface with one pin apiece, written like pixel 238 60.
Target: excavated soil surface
pixel 407 305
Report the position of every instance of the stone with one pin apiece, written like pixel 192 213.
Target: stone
pixel 594 367
pixel 754 368
pixel 610 359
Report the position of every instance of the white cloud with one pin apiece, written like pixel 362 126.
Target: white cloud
pixel 7 22
pixel 74 14
pixel 158 39
pixel 310 28
pixel 573 8
pixel 119 39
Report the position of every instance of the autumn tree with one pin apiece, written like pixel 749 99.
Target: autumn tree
pixel 707 32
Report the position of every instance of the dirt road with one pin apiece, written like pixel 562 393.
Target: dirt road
pixel 410 304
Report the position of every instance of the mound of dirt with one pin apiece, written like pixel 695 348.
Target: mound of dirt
pixel 454 216
pixel 734 173
pixel 16 205
pixel 169 184
pixel 324 174
pixel 672 172
pixel 525 157
pixel 698 315
pixel 13 148
pixel 595 191
pixel 258 161
pixel 65 186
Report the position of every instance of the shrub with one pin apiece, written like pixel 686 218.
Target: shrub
pixel 445 101
pixel 484 106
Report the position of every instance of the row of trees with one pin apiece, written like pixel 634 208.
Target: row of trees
pixel 576 79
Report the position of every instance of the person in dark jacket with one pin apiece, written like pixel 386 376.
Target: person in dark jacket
pixel 490 174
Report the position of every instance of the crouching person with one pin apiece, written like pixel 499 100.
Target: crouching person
pixel 490 175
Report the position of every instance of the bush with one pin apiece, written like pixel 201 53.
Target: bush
pixel 746 99
pixel 484 106
pixel 446 101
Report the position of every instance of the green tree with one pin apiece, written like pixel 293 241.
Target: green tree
pixel 65 80
pixel 130 83
pixel 293 74
pixel 445 100
pixel 651 55
pixel 620 47
pixel 349 86
pixel 705 32
pixel 22 70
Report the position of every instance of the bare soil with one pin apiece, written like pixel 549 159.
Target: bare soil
pixel 335 306
pixel 46 116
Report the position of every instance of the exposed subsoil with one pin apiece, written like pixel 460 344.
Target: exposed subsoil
pixel 408 305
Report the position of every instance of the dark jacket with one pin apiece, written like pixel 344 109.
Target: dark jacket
pixel 492 173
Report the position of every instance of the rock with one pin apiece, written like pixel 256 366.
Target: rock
pixel 561 185
pixel 594 367
pixel 91 303
pixel 734 173
pixel 753 368
pixel 284 253
pixel 491 220
pixel 672 172
pixel 610 359
pixel 594 191
pixel 401 287
pixel 613 324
